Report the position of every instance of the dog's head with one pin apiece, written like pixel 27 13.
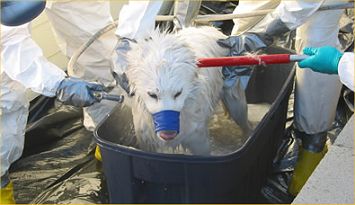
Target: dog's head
pixel 162 73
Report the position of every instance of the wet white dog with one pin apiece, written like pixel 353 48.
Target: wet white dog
pixel 174 99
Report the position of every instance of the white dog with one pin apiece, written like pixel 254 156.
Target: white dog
pixel 174 99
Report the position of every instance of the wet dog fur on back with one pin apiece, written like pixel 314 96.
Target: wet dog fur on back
pixel 163 76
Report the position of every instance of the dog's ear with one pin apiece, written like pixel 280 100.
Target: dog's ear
pixel 123 82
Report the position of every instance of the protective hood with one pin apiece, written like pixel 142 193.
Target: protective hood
pixel 15 13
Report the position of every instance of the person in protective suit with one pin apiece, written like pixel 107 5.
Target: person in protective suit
pixel 23 66
pixel 316 94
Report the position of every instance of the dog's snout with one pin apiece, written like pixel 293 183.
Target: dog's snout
pixel 167 134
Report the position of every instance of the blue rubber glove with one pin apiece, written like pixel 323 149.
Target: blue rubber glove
pixel 324 59
pixel 122 47
pixel 77 92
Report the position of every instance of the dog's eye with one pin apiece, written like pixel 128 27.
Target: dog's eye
pixel 153 95
pixel 177 94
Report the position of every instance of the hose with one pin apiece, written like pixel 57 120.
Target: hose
pixel 82 48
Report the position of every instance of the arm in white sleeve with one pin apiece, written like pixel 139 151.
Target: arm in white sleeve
pixel 287 16
pixel 137 18
pixel 295 13
pixel 346 70
pixel 241 25
pixel 23 61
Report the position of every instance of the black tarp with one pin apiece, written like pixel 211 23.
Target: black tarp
pixel 57 165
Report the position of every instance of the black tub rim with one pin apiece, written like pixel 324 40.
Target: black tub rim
pixel 181 158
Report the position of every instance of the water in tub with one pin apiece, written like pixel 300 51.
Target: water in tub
pixel 225 135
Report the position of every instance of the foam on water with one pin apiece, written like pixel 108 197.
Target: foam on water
pixel 225 135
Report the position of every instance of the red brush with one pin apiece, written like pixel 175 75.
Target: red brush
pixel 250 60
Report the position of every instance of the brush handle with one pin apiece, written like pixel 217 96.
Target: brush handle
pixel 249 60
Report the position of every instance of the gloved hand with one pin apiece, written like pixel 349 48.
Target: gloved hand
pixel 120 65
pixel 77 92
pixel 324 59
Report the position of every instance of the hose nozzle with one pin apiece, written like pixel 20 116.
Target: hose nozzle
pixel 105 96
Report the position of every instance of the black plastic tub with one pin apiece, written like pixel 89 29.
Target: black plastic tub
pixel 135 176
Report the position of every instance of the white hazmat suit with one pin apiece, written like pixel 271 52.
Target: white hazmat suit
pixel 73 23
pixel 346 70
pixel 316 94
pixel 22 66
pixel 315 100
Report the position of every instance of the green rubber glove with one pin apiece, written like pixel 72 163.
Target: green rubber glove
pixel 324 59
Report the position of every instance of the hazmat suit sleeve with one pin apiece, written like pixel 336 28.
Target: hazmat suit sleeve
pixel 137 18
pixel 23 61
pixel 346 70
pixel 295 13
pixel 287 16
pixel 242 25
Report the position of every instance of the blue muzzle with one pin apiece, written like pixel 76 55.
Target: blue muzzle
pixel 167 120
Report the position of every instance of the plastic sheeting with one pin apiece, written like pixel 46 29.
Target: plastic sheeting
pixel 275 189
pixel 220 7
pixel 57 165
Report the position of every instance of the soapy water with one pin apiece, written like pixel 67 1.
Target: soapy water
pixel 225 135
